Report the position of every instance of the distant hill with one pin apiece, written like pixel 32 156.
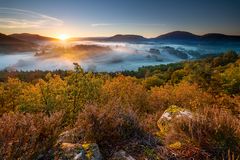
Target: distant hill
pixel 218 36
pixel 88 39
pixel 177 35
pixel 187 36
pixel 125 38
pixel 11 44
pixel 35 38
pixel 115 38
pixel 7 39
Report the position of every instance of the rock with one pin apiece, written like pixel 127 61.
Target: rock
pixel 122 155
pixel 92 151
pixel 67 137
pixel 165 123
pixel 77 151
pixel 169 116
pixel 67 147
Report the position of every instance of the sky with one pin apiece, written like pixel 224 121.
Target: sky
pixel 94 18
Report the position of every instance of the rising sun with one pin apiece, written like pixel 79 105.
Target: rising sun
pixel 63 37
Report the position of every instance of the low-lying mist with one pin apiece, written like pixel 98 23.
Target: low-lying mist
pixel 110 57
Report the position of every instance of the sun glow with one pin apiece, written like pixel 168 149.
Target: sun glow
pixel 63 37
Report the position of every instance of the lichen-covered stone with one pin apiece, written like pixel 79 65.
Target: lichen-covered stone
pixel 169 116
pixel 67 137
pixel 67 148
pixel 76 151
pixel 122 155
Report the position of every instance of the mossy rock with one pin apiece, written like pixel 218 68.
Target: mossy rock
pixel 76 151
pixel 170 115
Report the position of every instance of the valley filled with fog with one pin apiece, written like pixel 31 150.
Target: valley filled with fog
pixel 108 56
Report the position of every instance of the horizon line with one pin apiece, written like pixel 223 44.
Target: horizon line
pixel 43 35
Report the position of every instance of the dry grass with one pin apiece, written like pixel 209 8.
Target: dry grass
pixel 111 124
pixel 26 136
pixel 112 127
pixel 213 130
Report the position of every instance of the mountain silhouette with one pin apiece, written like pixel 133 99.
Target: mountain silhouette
pixel 35 38
pixel 11 44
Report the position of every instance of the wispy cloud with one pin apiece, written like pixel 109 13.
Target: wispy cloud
pixel 18 18
pixel 101 24
pixel 125 24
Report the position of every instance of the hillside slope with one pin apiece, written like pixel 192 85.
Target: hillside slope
pixel 11 44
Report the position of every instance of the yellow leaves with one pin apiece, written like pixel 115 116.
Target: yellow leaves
pixel 183 95
pixel 126 92
pixel 30 99
pixel 12 91
pixel 152 81
pixel 52 92
pixel 230 79
pixel 176 145
pixel 82 88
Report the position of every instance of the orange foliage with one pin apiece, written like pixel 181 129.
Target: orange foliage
pixel 184 95
pixel 125 91
pixel 26 136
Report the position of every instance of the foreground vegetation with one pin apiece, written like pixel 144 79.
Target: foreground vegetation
pixel 121 110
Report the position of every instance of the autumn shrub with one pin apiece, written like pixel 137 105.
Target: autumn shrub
pixel 112 127
pixel 44 96
pixel 160 98
pixel 237 102
pixel 230 79
pixel 30 100
pixel 177 76
pixel 149 122
pixel 231 103
pixel 82 89
pixel 152 81
pixel 213 130
pixel 2 99
pixel 191 96
pixel 26 136
pixel 108 125
pixel 9 94
pixel 52 92
pixel 127 92
pixel 184 95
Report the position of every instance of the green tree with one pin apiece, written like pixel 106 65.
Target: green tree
pixel 82 88
pixel 52 92
pixel 177 76
pixel 12 91
pixel 231 79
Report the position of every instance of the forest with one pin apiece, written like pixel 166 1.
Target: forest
pixel 184 110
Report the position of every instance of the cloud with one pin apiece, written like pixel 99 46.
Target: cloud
pixel 18 18
pixel 101 24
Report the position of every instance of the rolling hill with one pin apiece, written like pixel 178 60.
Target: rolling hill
pixel 126 38
pixel 34 38
pixel 11 44
pixel 175 36
pixel 187 36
